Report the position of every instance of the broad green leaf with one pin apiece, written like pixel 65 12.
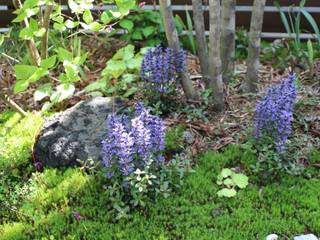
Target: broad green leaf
pixel 124 53
pixel 20 86
pixel 148 31
pixel 95 27
pixel 40 32
pixel 240 180
pixel 23 72
pixel 137 35
pixel 21 16
pixel 75 8
pixel 33 25
pixel 115 14
pixel 49 62
pixel 59 27
pixel 134 63
pixel 39 73
pixel 63 92
pixel 225 192
pixel 106 17
pixel 114 68
pixel 128 78
pixel 64 55
pixel 228 182
pixel 31 12
pixel 97 85
pixel 26 34
pixel 127 24
pixel 42 92
pixel 226 172
pixel 87 16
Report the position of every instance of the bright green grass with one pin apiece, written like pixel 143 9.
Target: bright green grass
pixel 288 208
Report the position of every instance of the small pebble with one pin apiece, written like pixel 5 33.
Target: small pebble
pixel 306 237
pixel 272 237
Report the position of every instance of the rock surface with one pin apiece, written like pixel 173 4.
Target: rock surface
pixel 74 135
pixel 272 237
pixel 306 237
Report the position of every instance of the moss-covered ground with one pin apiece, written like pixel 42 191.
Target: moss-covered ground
pixel 41 205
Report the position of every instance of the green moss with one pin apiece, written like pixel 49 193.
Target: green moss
pixel 16 139
pixel 174 139
pixel 287 208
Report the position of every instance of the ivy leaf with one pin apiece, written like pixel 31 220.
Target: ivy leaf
pixel 226 172
pixel 226 192
pixel 127 24
pixel 42 92
pixel 240 180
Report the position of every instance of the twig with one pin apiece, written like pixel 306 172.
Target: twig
pixel 12 104
pixel 44 40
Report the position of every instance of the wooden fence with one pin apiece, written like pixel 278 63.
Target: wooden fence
pixel 272 27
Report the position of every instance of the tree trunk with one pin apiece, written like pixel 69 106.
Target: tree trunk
pixel 173 42
pixel 216 83
pixel 250 83
pixel 202 47
pixel 228 44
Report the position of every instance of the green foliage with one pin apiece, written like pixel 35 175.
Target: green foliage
pixel 120 74
pixel 144 26
pixel 230 180
pixel 242 42
pixel 195 210
pixel 174 139
pixel 16 140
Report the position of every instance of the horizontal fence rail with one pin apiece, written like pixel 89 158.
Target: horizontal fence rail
pixel 272 27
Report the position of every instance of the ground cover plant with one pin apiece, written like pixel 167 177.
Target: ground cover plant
pixel 188 150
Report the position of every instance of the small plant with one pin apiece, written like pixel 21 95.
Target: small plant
pixel 274 113
pixel 160 71
pixel 133 160
pixel 120 74
pixel 230 181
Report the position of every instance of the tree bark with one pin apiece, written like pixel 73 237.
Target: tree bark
pixel 202 47
pixel 173 42
pixel 216 83
pixel 45 38
pixel 31 46
pixel 253 63
pixel 228 44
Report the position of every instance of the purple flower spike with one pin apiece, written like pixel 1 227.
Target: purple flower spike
pixel 77 216
pixel 274 113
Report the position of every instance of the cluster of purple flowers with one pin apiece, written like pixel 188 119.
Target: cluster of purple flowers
pixel 133 143
pixel 274 112
pixel 160 67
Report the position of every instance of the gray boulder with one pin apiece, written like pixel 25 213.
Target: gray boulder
pixel 74 135
pixel 306 237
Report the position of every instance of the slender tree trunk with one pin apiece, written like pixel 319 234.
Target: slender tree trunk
pixel 253 63
pixel 45 38
pixel 216 83
pixel 228 44
pixel 173 42
pixel 31 46
pixel 202 47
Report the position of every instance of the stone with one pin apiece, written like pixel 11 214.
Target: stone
pixel 74 135
pixel 306 237
pixel 272 237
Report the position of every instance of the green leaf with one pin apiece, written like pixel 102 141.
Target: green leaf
pixel 39 73
pixel 124 53
pixel 310 53
pixel 42 92
pixel 87 16
pixel 226 192
pixel 59 27
pixel 49 62
pixel 1 39
pixel 128 78
pixel 97 85
pixel 63 91
pixel 134 63
pixel 228 182
pixel 64 54
pixel 23 72
pixel 75 8
pixel 71 24
pixel 106 17
pixel 26 34
pixel 95 27
pixel 190 32
pixel 115 68
pixel 127 24
pixel 312 22
pixel 130 92
pixel 148 31
pixel 137 35
pixel 226 172
pixel 20 86
pixel 240 180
